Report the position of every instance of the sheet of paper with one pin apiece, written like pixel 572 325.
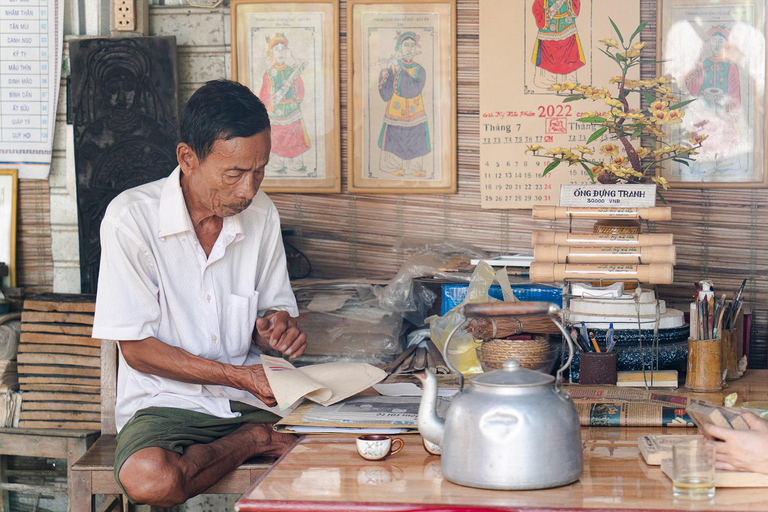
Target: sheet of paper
pixel 325 384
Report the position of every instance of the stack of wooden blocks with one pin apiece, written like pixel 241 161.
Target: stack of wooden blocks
pixel 59 364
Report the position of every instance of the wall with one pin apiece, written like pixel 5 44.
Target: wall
pixel 720 234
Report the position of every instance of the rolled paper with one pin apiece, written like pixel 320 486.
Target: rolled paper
pixel 655 273
pixel 565 238
pixel 595 254
pixel 547 212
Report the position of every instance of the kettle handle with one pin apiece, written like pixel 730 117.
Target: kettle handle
pixel 493 309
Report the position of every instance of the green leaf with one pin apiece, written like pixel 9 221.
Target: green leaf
pixel 650 98
pixel 638 30
pixel 551 166
pixel 638 131
pixel 589 171
pixel 678 160
pixel 620 58
pixel 596 135
pixel 681 104
pixel 573 97
pixel 617 30
pixel 592 119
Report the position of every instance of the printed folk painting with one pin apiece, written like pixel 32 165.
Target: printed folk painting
pixel 287 54
pixel 722 68
pixel 402 97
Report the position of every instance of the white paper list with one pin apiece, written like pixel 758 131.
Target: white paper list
pixel 30 66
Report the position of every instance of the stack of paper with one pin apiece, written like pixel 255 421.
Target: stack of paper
pixel 369 414
pixel 10 409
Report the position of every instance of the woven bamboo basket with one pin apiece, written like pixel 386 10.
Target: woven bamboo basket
pixel 534 354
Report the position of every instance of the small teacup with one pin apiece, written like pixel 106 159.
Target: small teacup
pixel 432 448
pixel 376 447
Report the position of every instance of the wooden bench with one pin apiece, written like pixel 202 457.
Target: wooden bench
pixel 93 473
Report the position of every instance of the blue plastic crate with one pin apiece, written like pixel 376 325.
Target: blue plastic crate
pixel 453 294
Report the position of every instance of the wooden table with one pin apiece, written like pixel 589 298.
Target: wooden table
pixel 324 473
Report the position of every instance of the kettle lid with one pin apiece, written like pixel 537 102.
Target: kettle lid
pixel 512 374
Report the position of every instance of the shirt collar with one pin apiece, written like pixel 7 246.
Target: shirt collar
pixel 174 217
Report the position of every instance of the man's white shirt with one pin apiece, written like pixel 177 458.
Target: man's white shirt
pixel 155 280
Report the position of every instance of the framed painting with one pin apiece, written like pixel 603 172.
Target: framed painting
pixel 287 53
pixel 722 67
pixel 401 85
pixel 9 184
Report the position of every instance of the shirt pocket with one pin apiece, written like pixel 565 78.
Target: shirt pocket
pixel 240 321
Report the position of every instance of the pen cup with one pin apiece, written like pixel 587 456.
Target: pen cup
pixel 597 368
pixel 705 365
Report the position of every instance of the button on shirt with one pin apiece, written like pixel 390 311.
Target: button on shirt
pixel 155 280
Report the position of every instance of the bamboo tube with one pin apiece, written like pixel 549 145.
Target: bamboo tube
pixel 565 238
pixel 595 254
pixel 655 273
pixel 548 212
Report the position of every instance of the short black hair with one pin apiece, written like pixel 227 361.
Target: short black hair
pixel 221 110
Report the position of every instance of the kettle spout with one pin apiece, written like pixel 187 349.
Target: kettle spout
pixel 430 424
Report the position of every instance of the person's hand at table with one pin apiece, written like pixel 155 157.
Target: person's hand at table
pixel 741 450
pixel 277 330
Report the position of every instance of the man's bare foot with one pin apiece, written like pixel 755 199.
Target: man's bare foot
pixel 268 443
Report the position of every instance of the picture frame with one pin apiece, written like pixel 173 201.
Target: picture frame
pixel 287 53
pixel 723 67
pixel 9 186
pixel 401 90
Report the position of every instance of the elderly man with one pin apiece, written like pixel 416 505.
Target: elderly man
pixel 193 283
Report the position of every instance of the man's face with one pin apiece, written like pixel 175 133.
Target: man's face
pixel 229 177
pixel 278 52
pixel 408 47
pixel 717 44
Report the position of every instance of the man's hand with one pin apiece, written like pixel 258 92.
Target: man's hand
pixel 254 380
pixel 741 450
pixel 276 330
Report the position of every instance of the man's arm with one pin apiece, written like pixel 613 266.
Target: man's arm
pixel 152 356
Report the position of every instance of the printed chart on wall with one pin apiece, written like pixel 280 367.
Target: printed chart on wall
pixel 526 46
pixel 30 69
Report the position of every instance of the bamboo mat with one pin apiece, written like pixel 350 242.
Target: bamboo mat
pixel 34 260
pixel 720 234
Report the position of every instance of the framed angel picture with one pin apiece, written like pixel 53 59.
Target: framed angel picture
pixel 720 69
pixel 287 54
pixel 401 83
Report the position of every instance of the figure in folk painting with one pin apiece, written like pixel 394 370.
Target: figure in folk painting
pixel 404 138
pixel 282 91
pixel 715 81
pixel 557 52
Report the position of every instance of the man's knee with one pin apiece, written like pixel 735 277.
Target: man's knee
pixel 149 476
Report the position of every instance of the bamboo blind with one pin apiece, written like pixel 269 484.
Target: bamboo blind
pixel 34 261
pixel 719 233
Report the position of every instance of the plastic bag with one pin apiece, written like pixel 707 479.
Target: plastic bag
pixel 461 352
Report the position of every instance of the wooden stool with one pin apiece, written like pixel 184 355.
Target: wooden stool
pixel 55 444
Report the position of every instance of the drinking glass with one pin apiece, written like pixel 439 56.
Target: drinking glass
pixel 693 471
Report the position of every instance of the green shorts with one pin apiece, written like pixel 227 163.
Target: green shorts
pixel 176 429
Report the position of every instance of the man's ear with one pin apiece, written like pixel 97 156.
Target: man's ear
pixel 188 161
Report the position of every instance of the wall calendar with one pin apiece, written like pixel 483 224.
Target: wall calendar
pixel 526 46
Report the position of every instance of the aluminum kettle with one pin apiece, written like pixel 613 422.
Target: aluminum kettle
pixel 511 429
